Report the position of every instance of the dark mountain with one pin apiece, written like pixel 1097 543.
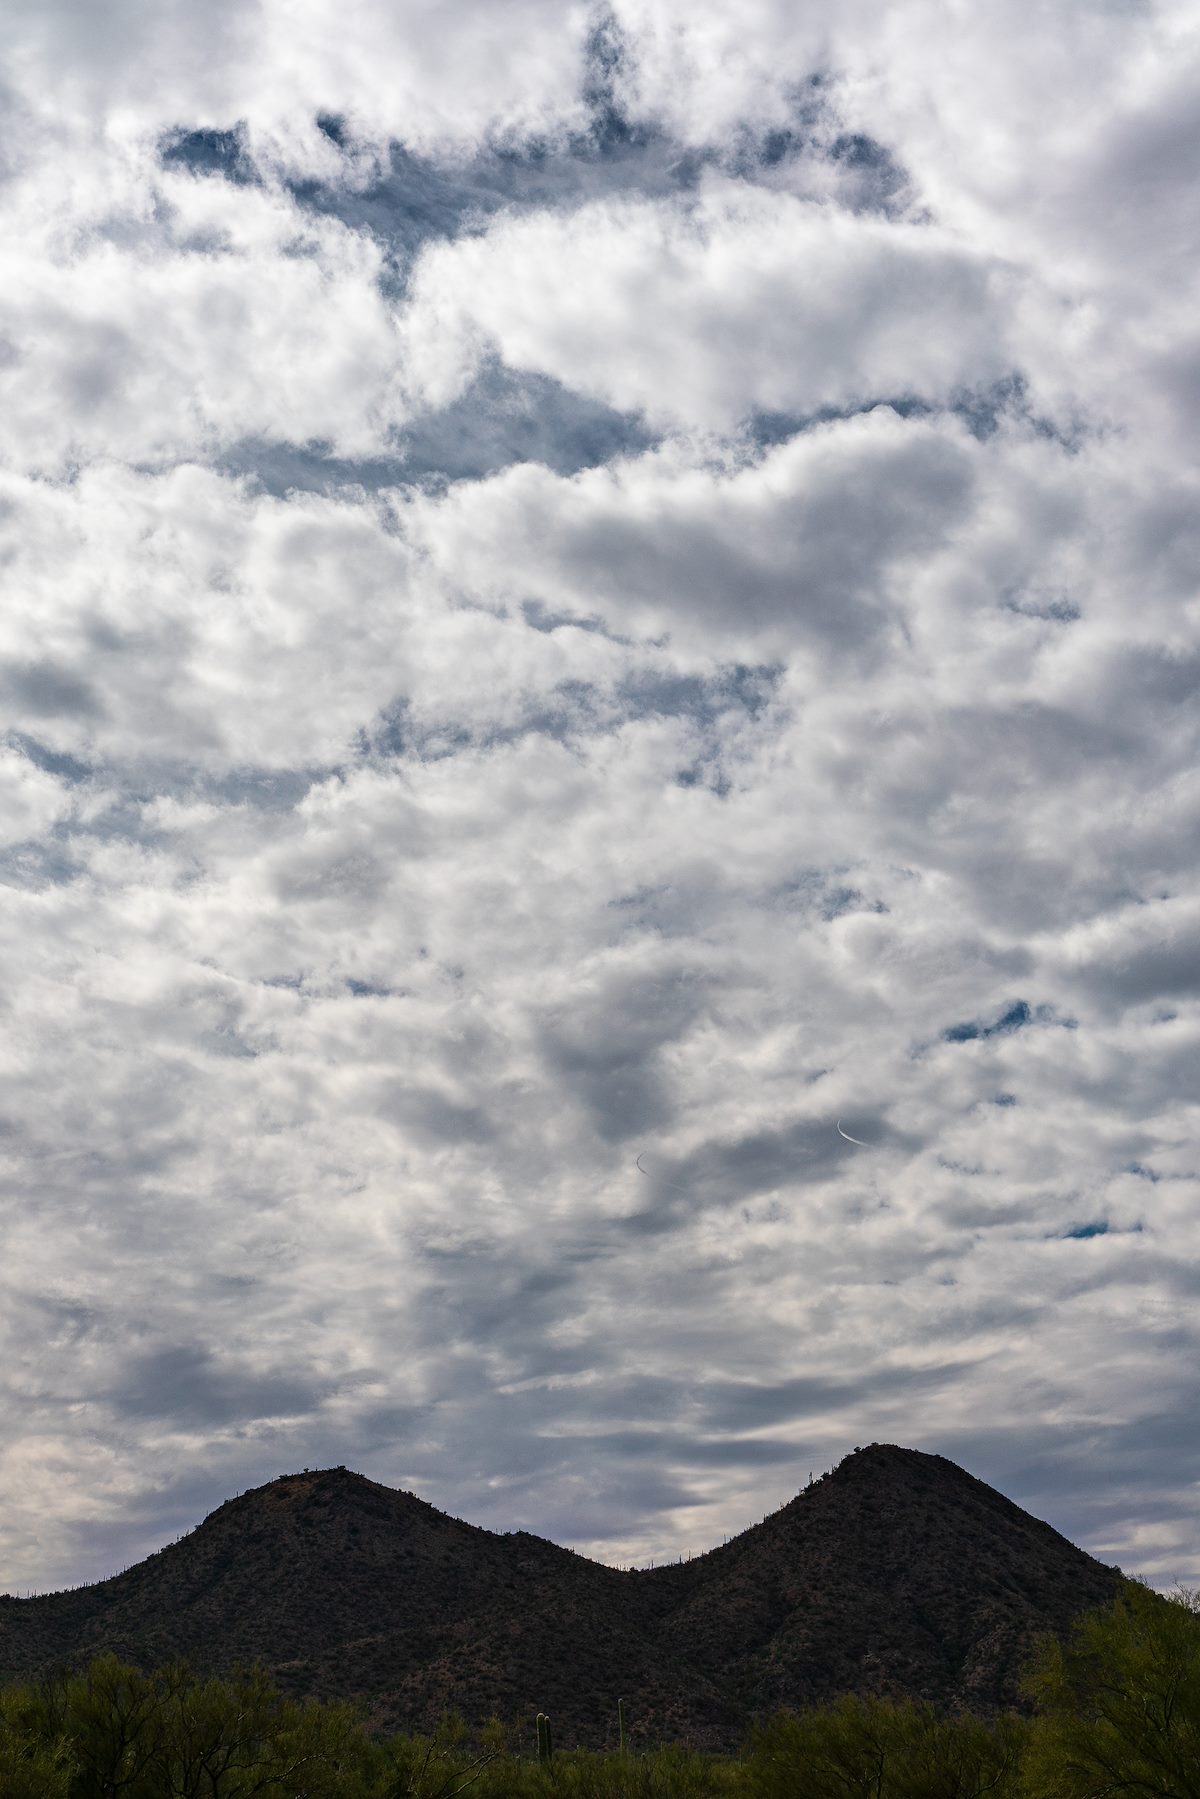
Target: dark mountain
pixel 897 1574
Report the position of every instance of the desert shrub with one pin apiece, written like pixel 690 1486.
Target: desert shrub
pixel 441 1766
pixel 115 1733
pixel 1119 1702
pixel 107 1718
pixel 240 1739
pixel 30 1769
pixel 445 1764
pixel 668 1773
pixel 870 1749
pixel 962 1757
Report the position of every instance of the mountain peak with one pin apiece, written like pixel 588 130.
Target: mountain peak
pixel 897 1573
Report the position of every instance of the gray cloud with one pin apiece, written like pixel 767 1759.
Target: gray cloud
pixel 188 1385
pixel 605 1046
pixel 43 690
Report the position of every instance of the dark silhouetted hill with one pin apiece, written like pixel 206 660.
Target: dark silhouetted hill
pixel 897 1574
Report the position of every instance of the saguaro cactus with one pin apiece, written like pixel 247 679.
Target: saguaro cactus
pixel 621 1726
pixel 545 1738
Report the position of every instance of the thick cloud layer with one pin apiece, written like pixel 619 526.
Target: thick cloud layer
pixel 599 752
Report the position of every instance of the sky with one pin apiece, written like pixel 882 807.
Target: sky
pixel 600 753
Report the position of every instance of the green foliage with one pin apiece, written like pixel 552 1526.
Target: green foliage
pixel 121 1734
pixel 445 1765
pixel 668 1773
pixel 1120 1702
pixel 869 1749
pixel 31 1769
pixel 439 1767
pixel 108 1716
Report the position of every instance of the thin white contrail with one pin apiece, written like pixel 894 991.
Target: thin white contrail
pixel 674 1185
pixel 849 1138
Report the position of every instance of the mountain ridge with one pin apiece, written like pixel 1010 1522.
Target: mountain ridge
pixel 897 1573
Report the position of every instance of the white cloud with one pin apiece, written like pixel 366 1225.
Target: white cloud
pixel 33 801
pixel 800 549
pixel 420 73
pixel 761 301
pixel 199 314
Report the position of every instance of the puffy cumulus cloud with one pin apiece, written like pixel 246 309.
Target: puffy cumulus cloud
pixel 1063 126
pixel 153 604
pixel 33 800
pixel 421 74
pixel 763 302
pixel 1060 141
pixel 599 746
pixel 197 314
pixel 1145 952
pixel 1066 148
pixel 709 75
pixel 801 548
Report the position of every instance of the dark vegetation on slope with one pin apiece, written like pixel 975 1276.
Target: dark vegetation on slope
pixel 1117 1712
pixel 898 1575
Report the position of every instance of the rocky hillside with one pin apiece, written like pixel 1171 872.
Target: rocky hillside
pixel 898 1573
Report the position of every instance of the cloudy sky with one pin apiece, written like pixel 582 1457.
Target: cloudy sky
pixel 591 593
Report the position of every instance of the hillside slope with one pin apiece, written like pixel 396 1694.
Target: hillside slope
pixel 898 1574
